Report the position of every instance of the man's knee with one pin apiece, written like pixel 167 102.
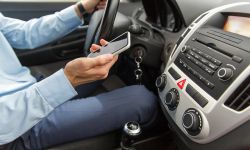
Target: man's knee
pixel 144 102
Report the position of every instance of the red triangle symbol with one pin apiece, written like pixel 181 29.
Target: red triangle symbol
pixel 181 83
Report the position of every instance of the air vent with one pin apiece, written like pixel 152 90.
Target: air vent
pixel 240 99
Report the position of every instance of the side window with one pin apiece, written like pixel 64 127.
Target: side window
pixel 164 14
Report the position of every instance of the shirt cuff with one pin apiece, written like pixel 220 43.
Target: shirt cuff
pixel 56 89
pixel 70 17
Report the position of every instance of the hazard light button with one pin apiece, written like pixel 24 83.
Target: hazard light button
pixel 181 83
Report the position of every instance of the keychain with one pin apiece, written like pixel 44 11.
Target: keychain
pixel 138 71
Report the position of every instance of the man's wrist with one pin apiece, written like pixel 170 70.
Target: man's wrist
pixel 69 77
pixel 86 5
pixel 80 10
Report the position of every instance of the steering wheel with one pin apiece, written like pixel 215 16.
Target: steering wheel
pixel 101 24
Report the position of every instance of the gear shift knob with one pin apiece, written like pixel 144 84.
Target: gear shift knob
pixel 131 131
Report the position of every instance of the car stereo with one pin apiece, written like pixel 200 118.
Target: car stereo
pixel 205 87
pixel 213 59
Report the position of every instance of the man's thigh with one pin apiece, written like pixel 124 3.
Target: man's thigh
pixel 93 116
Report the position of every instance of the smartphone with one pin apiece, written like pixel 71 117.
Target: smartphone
pixel 115 46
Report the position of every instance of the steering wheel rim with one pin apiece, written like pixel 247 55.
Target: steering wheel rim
pixel 102 26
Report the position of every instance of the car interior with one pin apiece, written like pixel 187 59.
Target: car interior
pixel 194 55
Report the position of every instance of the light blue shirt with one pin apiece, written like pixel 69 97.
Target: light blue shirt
pixel 23 101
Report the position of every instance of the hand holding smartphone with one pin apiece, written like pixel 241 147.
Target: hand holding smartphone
pixel 115 46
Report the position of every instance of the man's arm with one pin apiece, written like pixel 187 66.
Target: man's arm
pixel 21 110
pixel 37 32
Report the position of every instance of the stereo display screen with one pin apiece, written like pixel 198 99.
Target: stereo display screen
pixel 239 25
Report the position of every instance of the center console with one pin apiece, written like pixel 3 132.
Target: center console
pixel 205 88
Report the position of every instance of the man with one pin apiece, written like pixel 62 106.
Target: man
pixel 36 115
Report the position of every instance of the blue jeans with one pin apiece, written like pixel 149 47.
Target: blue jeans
pixel 87 117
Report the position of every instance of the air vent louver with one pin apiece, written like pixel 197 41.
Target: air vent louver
pixel 240 99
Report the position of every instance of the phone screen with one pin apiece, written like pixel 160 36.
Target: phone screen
pixel 115 46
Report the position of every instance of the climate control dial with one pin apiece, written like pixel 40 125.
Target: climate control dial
pixel 172 99
pixel 161 81
pixel 192 121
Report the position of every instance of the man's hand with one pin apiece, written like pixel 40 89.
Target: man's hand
pixel 90 5
pixel 85 70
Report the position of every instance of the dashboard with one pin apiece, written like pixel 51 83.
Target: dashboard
pixel 205 86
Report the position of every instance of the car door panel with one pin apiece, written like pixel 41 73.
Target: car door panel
pixel 69 47
pixel 53 56
pixel 26 10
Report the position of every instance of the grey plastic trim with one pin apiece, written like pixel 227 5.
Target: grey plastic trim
pixel 217 118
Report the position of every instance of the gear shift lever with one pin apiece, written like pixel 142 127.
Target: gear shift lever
pixel 131 131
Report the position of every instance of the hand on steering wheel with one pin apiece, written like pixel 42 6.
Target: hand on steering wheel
pixel 91 5
pixel 101 24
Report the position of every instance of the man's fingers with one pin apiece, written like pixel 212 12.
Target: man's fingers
pixel 98 61
pixel 94 47
pixel 100 6
pixel 103 42
pixel 110 64
pixel 103 3
pixel 102 71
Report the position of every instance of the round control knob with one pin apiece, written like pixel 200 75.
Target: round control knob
pixel 172 99
pixel 160 82
pixel 192 121
pixel 225 73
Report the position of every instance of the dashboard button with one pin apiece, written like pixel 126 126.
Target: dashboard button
pixel 207 56
pixel 200 52
pixel 200 64
pixel 185 49
pixel 203 67
pixel 197 56
pixel 196 96
pixel 195 50
pixel 191 53
pixel 201 77
pixel 188 56
pixel 174 74
pixel 237 59
pixel 192 71
pixel 200 100
pixel 209 71
pixel 215 61
pixel 209 84
pixel 193 59
pixel 190 90
pixel 197 62
pixel 181 62
pixel 204 61
pixel 214 67
pixel 203 80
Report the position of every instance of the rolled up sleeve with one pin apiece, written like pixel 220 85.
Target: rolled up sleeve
pixel 36 32
pixel 21 110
